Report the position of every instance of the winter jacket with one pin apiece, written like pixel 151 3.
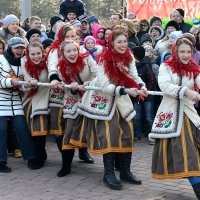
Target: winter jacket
pixel 184 27
pixel 145 72
pixel 95 30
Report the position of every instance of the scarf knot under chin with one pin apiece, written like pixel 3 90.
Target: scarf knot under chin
pixel 190 70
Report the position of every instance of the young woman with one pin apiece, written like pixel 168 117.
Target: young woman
pixel 11 105
pixel 129 29
pixel 66 32
pixel 108 126
pixel 176 127
pixel 75 69
pixel 11 29
pixel 36 99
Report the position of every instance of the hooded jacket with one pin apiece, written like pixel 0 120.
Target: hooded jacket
pixel 95 30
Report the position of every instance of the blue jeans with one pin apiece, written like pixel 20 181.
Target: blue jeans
pixel 25 141
pixel 144 110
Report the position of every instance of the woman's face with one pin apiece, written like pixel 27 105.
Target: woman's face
pixel 107 33
pixel 13 27
pixel 71 52
pixel 35 54
pixel 70 35
pixel 125 26
pixel 184 53
pixel 148 53
pixel 18 52
pixel 120 44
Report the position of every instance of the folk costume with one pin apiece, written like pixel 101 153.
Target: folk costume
pixel 56 105
pixel 176 127
pixel 107 126
pixel 36 103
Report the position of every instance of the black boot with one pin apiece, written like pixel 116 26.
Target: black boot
pixel 84 155
pixel 117 162
pixel 4 168
pixel 125 173
pixel 109 175
pixel 35 164
pixel 196 188
pixel 67 157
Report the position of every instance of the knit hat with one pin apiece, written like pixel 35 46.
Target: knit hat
pixel 84 20
pixel 30 32
pixel 138 52
pixel 16 42
pixel 153 19
pixel 145 37
pixel 92 19
pixel 174 24
pixel 47 43
pixel 175 35
pixel 75 23
pixel 89 38
pixel 149 48
pixel 10 19
pixel 189 36
pixel 181 11
pixel 54 19
pixel 155 28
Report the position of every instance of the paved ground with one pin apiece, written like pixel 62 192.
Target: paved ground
pixel 85 182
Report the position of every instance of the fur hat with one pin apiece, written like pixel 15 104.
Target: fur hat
pixel 153 19
pixel 54 19
pixel 16 42
pixel 89 38
pixel 174 24
pixel 30 32
pixel 138 52
pixel 10 19
pixel 181 11
pixel 145 37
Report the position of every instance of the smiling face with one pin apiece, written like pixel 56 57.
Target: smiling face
pixel 35 54
pixel 18 52
pixel 70 35
pixel 70 52
pixel 120 44
pixel 13 27
pixel 184 53
pixel 125 26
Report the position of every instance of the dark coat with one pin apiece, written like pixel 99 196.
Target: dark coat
pixel 184 27
pixel 51 34
pixel 147 75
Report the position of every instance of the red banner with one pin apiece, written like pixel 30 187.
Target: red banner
pixel 145 9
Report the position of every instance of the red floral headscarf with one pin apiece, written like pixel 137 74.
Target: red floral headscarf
pixel 116 65
pixel 191 69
